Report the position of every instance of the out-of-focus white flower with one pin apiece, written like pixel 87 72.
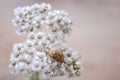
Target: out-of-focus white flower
pixel 36 17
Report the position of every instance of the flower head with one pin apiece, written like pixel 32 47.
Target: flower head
pixel 59 21
pixel 30 18
pixel 43 51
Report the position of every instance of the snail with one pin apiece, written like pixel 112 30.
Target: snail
pixel 56 54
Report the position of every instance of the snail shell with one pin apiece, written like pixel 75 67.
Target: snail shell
pixel 56 54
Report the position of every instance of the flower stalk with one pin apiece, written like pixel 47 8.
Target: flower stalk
pixel 35 76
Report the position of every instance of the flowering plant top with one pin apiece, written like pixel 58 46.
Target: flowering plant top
pixel 45 50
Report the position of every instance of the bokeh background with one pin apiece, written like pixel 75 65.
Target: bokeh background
pixel 96 35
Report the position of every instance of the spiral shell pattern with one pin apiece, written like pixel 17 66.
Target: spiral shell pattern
pixel 56 54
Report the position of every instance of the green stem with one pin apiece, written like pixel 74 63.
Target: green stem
pixel 34 77
pixel 31 78
pixel 37 75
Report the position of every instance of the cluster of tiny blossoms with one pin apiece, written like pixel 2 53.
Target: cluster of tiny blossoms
pixel 33 18
pixel 43 51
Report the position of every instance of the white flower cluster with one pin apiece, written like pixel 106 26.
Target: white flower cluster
pixel 33 18
pixel 43 52
pixel 59 21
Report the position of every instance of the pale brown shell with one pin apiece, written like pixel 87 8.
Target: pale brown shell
pixel 56 54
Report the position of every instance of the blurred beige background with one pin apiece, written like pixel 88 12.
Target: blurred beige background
pixel 96 34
